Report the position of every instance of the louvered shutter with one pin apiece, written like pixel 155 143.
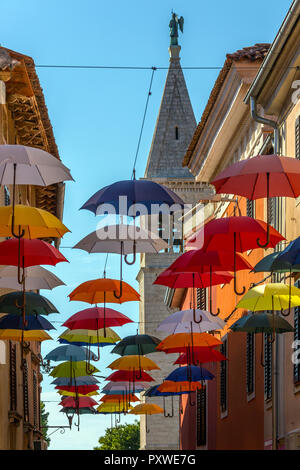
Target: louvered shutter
pixel 223 378
pixel 296 338
pixel 25 392
pixel 250 362
pixel 201 417
pixel 35 399
pixel 250 208
pixel 297 138
pixel 13 376
pixel 268 348
pixel 201 298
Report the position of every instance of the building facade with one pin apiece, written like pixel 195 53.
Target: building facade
pixel 24 120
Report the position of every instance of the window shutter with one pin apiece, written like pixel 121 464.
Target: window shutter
pixel 272 211
pixel 268 348
pixel 201 417
pixel 297 138
pixel 296 338
pixel 250 362
pixel 201 298
pixel 35 399
pixel 6 196
pixel 223 378
pixel 13 376
pixel 250 208
pixel 25 392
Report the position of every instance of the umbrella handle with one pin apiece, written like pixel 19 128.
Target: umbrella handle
pixel 262 351
pixel 215 314
pixel 268 221
pixel 20 234
pixel 194 317
pixel 147 429
pixel 168 415
pixel 121 267
pixel 190 400
pixel 290 295
pixel 139 375
pixel 210 296
pixel 121 291
pixel 284 314
pixel 130 263
pixel 235 286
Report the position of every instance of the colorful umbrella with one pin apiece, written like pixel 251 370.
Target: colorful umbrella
pixel 103 291
pixel 130 376
pixel 183 322
pixel 201 356
pixel 170 386
pixel 67 393
pixel 36 278
pixel 262 323
pixel 84 380
pixel 80 389
pixel 71 369
pixel 90 337
pixel 69 353
pixel 259 177
pixel 136 345
pixel 124 386
pixel 118 398
pixel 146 409
pixel 273 296
pixel 181 341
pixel 133 363
pixel 93 319
pixel 81 411
pixel 175 280
pixel 15 322
pixel 80 402
pixel 23 335
pixel 189 374
pixel 154 392
pixel 114 408
pixel 36 304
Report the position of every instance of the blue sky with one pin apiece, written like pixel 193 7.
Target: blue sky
pixel 97 114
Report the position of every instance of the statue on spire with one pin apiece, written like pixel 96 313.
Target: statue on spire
pixel 173 25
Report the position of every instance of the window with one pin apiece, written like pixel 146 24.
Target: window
pixel 296 338
pixel 201 298
pixel 250 358
pixel 35 399
pixel 25 392
pixel 6 196
pixel 176 133
pixel 250 208
pixel 223 378
pixel 297 138
pixel 13 376
pixel 268 349
pixel 201 417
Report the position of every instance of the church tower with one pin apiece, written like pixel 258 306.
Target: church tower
pixel 174 129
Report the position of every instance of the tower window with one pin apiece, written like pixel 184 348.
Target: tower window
pixel 176 133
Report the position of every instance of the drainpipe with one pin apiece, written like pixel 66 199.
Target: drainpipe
pixel 267 122
pixel 275 358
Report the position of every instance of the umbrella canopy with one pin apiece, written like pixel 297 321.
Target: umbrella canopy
pixel 152 195
pixel 114 407
pixel 102 291
pixel 78 382
pixel 72 369
pixel 273 296
pixel 36 304
pixel 136 345
pixel 20 335
pixel 266 264
pixel 36 277
pixel 69 353
pixel 133 363
pixel 93 319
pixel 201 356
pixel 181 341
pixel 67 393
pixel 262 323
pixel 154 392
pixel 130 376
pixel 36 223
pixel 289 258
pixel 189 374
pixel 81 411
pixel 176 280
pixel 170 386
pixel 240 231
pixel 80 402
pixel 32 166
pixel 249 178
pixel 124 386
pixel 183 322
pixel 15 322
pixel 119 398
pixel 146 409
pixel 32 253
pixel 109 238
pixel 81 389
pixel 90 337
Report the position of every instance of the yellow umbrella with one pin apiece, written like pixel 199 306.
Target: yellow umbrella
pixel 36 223
pixel 133 362
pixel 114 408
pixel 19 335
pixel 273 296
pixel 66 393
pixel 90 336
pixel 146 409
pixel 72 369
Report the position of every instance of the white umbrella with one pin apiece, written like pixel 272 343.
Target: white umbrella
pixel 36 277
pixel 183 322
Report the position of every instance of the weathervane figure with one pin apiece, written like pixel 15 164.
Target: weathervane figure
pixel 173 25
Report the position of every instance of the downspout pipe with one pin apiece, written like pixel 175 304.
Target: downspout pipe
pixel 267 122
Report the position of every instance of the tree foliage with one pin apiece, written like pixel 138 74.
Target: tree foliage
pixel 123 437
pixel 44 422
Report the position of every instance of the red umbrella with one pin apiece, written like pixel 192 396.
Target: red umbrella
pixel 201 355
pixel 201 280
pixel 82 389
pixel 259 177
pixel 80 402
pixel 195 261
pixel 129 376
pixel 93 319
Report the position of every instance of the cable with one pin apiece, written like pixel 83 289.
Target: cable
pixel 143 122
pixel 120 67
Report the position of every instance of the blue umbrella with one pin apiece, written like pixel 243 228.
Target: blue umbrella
pixel 153 392
pixel 190 374
pixel 81 411
pixel 36 304
pixel 289 258
pixel 143 192
pixel 15 322
pixel 82 380
pixel 70 353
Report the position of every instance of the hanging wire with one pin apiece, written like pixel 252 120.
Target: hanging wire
pixel 105 264
pixel 133 67
pixel 143 122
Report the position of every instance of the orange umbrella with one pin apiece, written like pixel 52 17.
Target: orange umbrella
pixel 104 290
pixel 180 342
pixel 176 387
pixel 133 363
pixel 119 398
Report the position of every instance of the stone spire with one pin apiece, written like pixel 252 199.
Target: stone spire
pixel 174 128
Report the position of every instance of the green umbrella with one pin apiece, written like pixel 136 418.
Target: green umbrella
pixel 262 323
pixel 136 345
pixel 72 369
pixel 36 304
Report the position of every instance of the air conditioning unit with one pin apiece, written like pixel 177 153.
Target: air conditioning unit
pixel 39 445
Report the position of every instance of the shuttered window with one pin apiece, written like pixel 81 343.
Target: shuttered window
pixel 6 196
pixel 297 338
pixel 250 358
pixel 25 392
pixel 13 376
pixel 268 348
pixel 201 298
pixel 35 400
pixel 297 138
pixel 201 417
pixel 223 378
pixel 250 208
